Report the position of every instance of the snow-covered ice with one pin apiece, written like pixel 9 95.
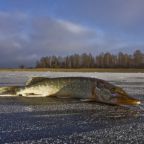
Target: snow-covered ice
pixel 49 120
pixel 16 78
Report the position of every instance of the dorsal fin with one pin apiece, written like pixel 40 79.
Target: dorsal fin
pixel 34 80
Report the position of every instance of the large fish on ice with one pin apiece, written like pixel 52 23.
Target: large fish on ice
pixel 83 88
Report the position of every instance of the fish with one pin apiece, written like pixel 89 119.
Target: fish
pixel 84 88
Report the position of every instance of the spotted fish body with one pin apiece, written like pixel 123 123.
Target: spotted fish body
pixel 86 89
pixel 61 87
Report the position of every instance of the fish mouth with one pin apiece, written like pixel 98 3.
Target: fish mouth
pixel 120 97
pixel 121 100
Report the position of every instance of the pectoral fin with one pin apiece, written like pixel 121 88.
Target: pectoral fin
pixel 32 95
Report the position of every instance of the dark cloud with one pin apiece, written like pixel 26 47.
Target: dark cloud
pixel 59 36
pixel 25 42
pixel 25 38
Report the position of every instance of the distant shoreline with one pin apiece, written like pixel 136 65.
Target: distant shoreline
pixel 115 70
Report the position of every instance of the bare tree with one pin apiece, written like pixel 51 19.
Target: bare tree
pixel 103 60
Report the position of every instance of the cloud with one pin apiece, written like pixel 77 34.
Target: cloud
pixel 73 28
pixel 122 15
pixel 58 36
pixel 25 39
pixel 10 23
pixel 11 31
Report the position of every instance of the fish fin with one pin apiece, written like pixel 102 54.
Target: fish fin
pixel 34 80
pixel 33 95
pixel 8 90
pixel 87 100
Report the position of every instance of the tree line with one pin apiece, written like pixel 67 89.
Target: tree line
pixel 103 60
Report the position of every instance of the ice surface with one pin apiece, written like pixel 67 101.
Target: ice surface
pixel 21 77
pixel 49 120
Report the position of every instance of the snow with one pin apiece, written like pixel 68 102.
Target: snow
pixel 16 78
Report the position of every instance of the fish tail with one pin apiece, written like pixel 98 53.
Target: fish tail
pixel 9 90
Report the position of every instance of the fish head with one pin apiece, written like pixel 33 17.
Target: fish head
pixel 120 97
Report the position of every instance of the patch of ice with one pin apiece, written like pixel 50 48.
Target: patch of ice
pixel 29 109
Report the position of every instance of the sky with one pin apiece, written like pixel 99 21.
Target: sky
pixel 31 29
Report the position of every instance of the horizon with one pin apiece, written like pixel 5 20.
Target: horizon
pixel 32 29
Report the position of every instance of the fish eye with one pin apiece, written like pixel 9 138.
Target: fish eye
pixel 120 91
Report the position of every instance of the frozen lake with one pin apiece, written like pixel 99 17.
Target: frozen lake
pixel 133 83
pixel 49 120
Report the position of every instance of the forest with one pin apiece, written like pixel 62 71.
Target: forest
pixel 103 60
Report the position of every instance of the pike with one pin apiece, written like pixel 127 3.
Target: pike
pixel 83 88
